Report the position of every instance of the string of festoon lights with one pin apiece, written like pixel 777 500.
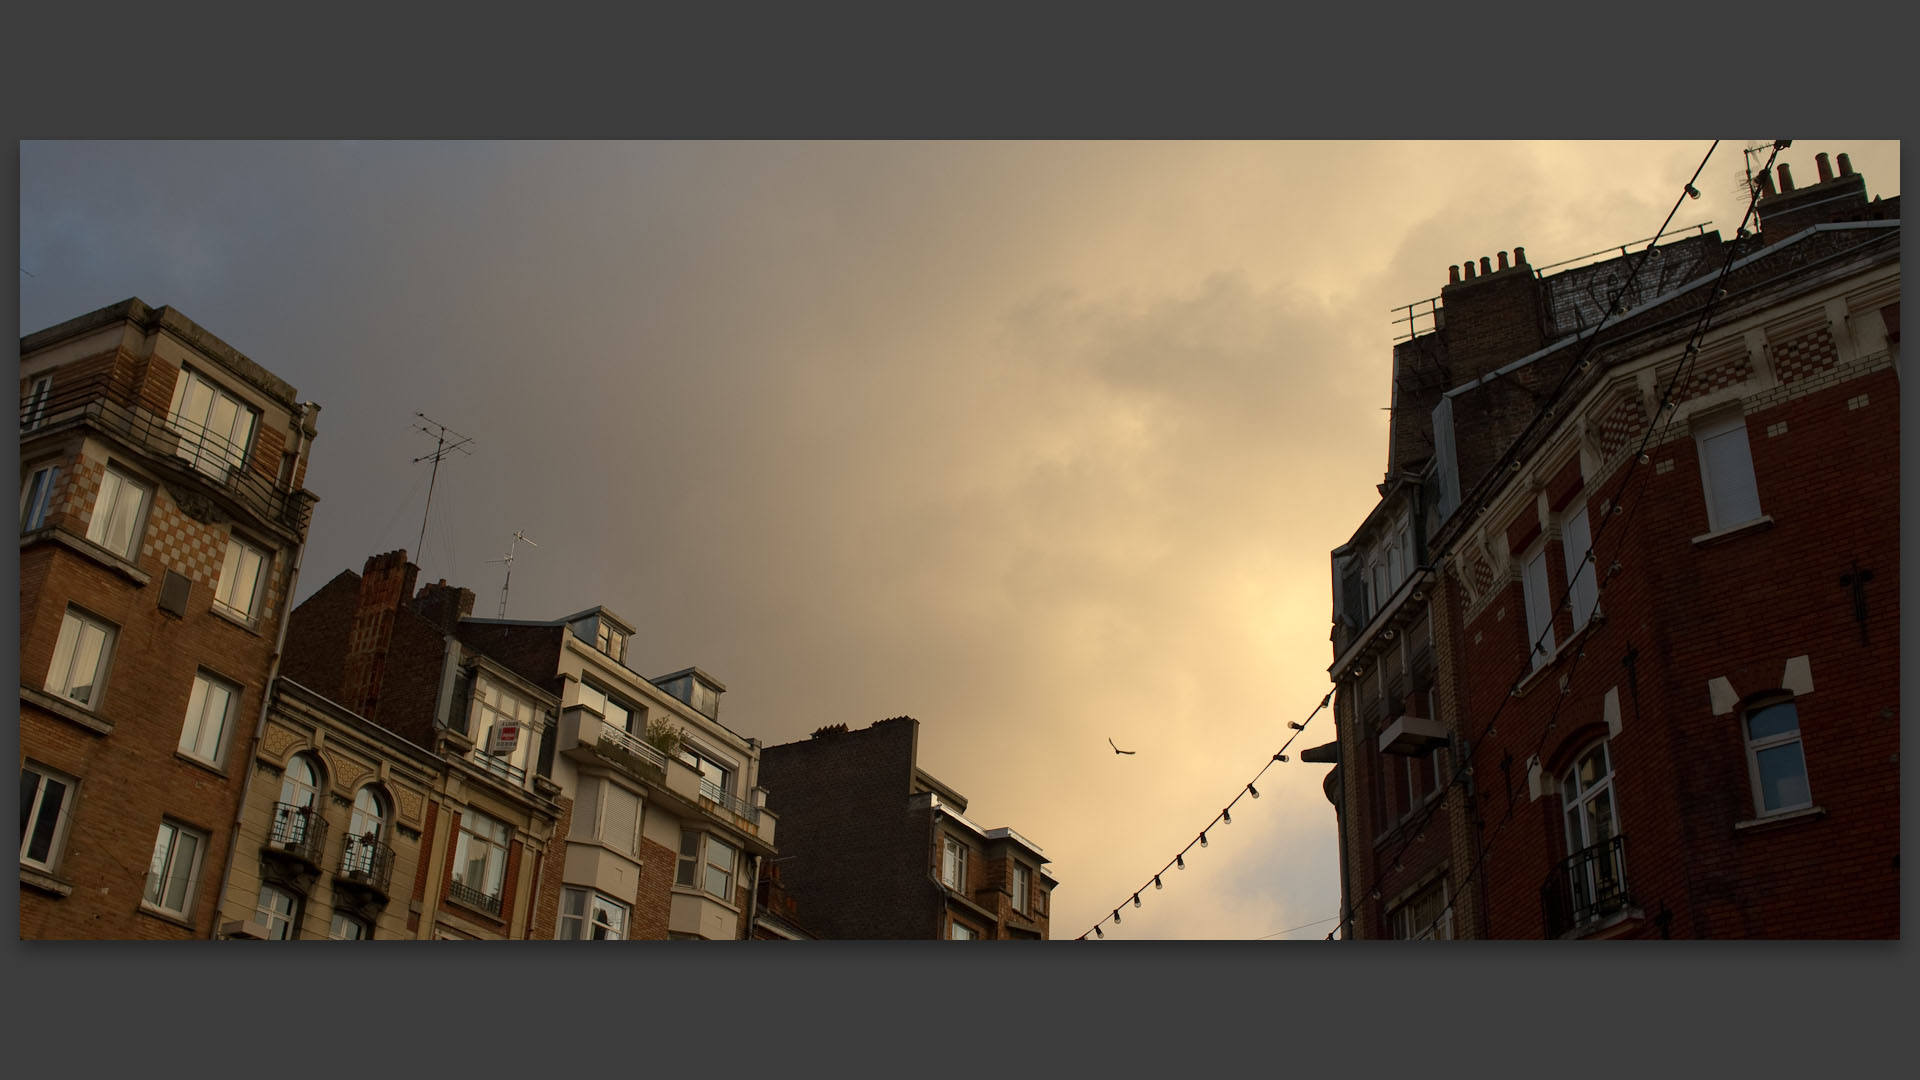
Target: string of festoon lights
pixel 1224 817
pixel 1614 508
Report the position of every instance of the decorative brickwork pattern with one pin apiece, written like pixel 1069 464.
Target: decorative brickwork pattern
pixel 1805 356
pixel 1622 425
pixel 1703 381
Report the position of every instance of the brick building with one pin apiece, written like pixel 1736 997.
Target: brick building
pixel 1694 734
pixel 576 798
pixel 873 846
pixel 162 520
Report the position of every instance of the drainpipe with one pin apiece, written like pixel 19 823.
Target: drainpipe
pixel 753 900
pixel 267 691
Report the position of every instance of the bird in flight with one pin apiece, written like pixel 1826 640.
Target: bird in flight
pixel 1116 749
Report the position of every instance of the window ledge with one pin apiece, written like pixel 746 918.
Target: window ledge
pixel 1782 817
pixel 202 764
pixel 1574 641
pixel 45 882
pixel 164 916
pixel 251 626
pixel 685 890
pixel 67 710
pixel 499 917
pixel 1759 524
pixel 1601 925
pixel 90 550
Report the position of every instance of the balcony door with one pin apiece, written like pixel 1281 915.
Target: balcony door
pixel 1594 870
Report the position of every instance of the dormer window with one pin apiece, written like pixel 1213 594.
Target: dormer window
pixel 603 633
pixel 694 689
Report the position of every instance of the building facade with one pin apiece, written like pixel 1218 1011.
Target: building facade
pixel 161 526
pixel 1615 654
pixel 873 846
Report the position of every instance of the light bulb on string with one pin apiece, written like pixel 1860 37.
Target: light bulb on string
pixel 1226 817
pixel 1180 861
pixel 1116 916
pixel 1279 757
pixel 1156 882
pixel 1203 839
pixel 1136 899
pixel 1253 791
pixel 1099 933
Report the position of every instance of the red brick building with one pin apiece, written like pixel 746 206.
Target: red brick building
pixel 1694 734
pixel 162 521
pixel 873 846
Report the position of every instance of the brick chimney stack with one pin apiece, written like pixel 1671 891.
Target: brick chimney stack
pixel 1493 317
pixel 385 585
pixel 443 605
pixel 1841 197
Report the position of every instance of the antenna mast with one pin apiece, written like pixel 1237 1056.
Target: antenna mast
pixel 441 448
pixel 519 535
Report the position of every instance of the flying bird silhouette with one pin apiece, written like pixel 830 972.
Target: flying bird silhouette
pixel 1116 749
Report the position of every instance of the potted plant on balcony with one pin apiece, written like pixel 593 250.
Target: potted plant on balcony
pixel 664 736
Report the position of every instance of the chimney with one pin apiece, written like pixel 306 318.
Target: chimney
pixel 1492 317
pixel 385 585
pixel 1846 167
pixel 1503 259
pixel 443 605
pixel 1790 212
pixel 1486 265
pixel 1453 274
pixel 1786 179
pixel 1825 168
pixel 1766 184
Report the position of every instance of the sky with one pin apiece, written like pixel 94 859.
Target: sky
pixel 1041 443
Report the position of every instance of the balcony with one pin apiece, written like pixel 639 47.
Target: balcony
pixel 500 767
pixel 365 864
pixel 108 405
pixel 299 832
pixel 474 898
pixel 1587 887
pixel 728 801
pixel 1412 736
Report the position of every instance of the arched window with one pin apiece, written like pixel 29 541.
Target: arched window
pixel 1775 760
pixel 299 800
pixel 1596 869
pixel 366 833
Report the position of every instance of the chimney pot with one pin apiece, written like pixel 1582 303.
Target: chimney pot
pixel 1519 256
pixel 1503 260
pixel 1786 179
pixel 1453 274
pixel 1766 184
pixel 1486 265
pixel 1825 168
pixel 1846 167
pixel 1469 269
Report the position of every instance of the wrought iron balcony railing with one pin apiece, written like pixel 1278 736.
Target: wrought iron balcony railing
pixel 474 898
pixel 365 861
pixel 1591 884
pixel 738 806
pixel 299 831
pixel 113 405
pixel 500 767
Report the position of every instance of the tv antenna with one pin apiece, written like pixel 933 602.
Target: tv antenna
pixel 519 535
pixel 445 441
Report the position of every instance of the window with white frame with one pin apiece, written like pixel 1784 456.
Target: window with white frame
pixel 1539 602
pixel 36 497
pixel 959 931
pixel 215 427
pixel 1022 888
pixel 707 863
pixel 712 770
pixel 1583 589
pixel 117 511
pixel 46 806
pixel 299 792
pixel 1776 762
pixel 35 412
pixel 278 911
pixel 348 928
pixel 1426 916
pixel 480 860
pixel 1596 867
pixel 588 915
pixel 1726 471
pixel 614 711
pixel 953 864
pixel 505 727
pixel 80 657
pixel 238 592
pixel 175 869
pixel 210 709
pixel 366 833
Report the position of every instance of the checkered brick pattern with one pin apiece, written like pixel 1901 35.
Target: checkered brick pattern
pixel 1701 383
pixel 1805 356
pixel 1622 425
pixel 1482 575
pixel 183 544
pixel 83 490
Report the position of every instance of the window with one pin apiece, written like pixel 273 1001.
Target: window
pixel 610 641
pixel 366 832
pixel 959 931
pixel 80 657
pixel 215 427
pixel 1022 888
pixel 953 864
pixel 712 872
pixel 1539 606
pixel 275 911
pixel 615 712
pixel 240 579
pixel 35 412
pixel 116 513
pixel 1595 868
pixel 175 869
pixel 586 915
pixel 480 861
pixel 1775 759
pixel 36 497
pixel 209 708
pixel 714 772
pixel 1576 537
pixel 1726 468
pixel 347 928
pixel 1426 916
pixel 506 726
pixel 46 802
